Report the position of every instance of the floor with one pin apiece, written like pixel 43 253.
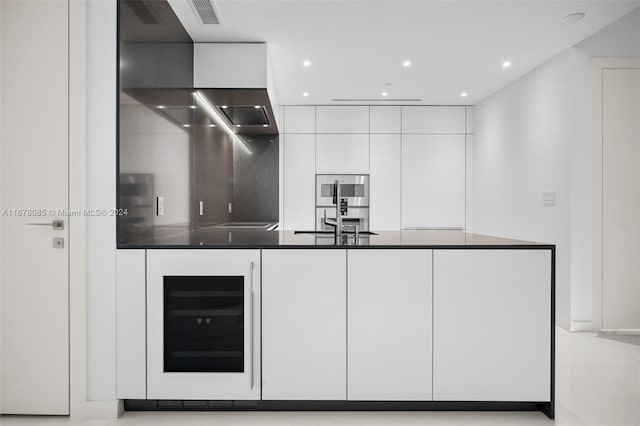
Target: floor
pixel 597 383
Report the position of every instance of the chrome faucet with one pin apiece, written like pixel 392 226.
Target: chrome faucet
pixel 337 223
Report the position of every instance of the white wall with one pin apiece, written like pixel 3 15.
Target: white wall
pixel 535 136
pixel 101 170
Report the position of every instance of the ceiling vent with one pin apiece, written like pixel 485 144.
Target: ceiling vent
pixel 206 11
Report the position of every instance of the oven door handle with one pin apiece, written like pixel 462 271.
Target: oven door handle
pixel 251 325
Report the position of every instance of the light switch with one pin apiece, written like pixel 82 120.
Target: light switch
pixel 159 206
pixel 549 199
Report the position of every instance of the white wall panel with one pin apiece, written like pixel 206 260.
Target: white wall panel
pixel 342 153
pixel 433 181
pixel 342 119
pixel 299 119
pixel 385 181
pixel 433 119
pixel 230 65
pixel 299 181
pixel 131 333
pixel 385 119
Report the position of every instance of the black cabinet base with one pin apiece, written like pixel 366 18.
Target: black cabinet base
pixel 203 405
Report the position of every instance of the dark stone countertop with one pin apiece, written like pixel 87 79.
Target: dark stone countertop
pixel 224 238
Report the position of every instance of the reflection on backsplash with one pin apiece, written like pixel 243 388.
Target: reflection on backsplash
pixel 179 167
pixel 170 148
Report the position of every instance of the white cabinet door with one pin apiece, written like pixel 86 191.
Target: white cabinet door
pixel 204 274
pixel 492 325
pixel 342 154
pixel 384 176
pixel 389 325
pixel 385 119
pixel 299 182
pixel 131 331
pixel 304 353
pixel 299 119
pixel 433 181
pixel 342 119
pixel 433 119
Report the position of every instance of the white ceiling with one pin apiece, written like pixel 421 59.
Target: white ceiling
pixel 357 47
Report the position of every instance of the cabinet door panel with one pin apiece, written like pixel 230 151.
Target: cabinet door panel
pixel 342 119
pixel 491 325
pixel 342 154
pixel 433 181
pixel 385 119
pixel 299 119
pixel 389 346
pixel 299 181
pixel 131 333
pixel 433 119
pixel 385 175
pixel 304 325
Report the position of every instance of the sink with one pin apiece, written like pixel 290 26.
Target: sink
pixel 331 233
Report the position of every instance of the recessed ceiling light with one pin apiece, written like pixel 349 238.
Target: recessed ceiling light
pixel 257 107
pixel 238 125
pixel 385 94
pixel 212 125
pixel 307 63
pixel 186 125
pixel 463 94
pixel 506 64
pixel 574 17
pixel 161 107
pixel 224 107
pixel 305 94
pixel 193 107
pixel 265 125
pixel 406 64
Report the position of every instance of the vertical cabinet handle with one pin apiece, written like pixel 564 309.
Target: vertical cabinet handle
pixel 251 325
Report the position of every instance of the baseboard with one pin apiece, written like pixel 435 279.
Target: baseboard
pixel 582 326
pixel 575 326
pixel 624 331
pixel 563 323
pixel 98 410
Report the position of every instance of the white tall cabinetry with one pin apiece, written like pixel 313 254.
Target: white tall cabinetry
pixel 415 157
pixel 389 325
pixel 304 324
pixel 433 181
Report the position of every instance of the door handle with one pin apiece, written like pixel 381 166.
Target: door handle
pixel 251 327
pixel 58 225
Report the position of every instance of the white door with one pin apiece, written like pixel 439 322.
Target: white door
pixel 621 199
pixel 34 175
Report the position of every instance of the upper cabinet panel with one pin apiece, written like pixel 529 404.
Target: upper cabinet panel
pixel 469 110
pixel 386 119
pixel 211 65
pixel 433 119
pixel 342 119
pixel 299 119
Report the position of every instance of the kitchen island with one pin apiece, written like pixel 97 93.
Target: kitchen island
pixel 399 320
